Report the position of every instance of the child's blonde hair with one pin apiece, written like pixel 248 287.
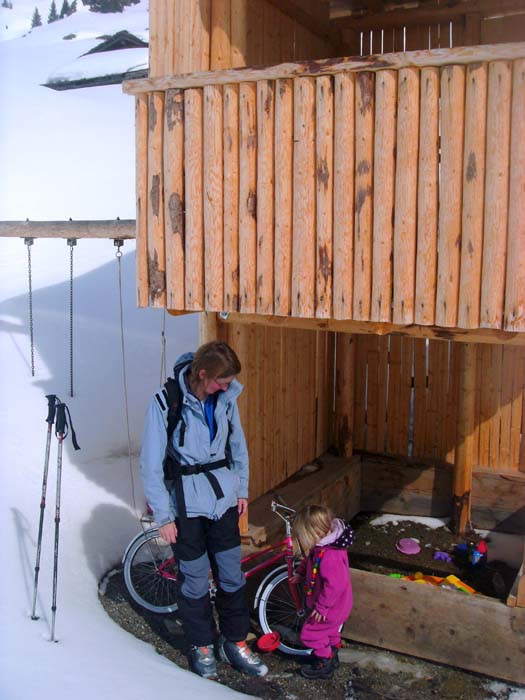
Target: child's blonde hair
pixel 311 524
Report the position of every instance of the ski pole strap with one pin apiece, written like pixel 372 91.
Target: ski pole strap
pixel 62 424
pixel 51 408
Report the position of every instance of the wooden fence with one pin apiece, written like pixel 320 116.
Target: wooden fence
pixel 406 398
pixel 387 189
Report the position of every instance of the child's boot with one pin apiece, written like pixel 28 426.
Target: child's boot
pixel 320 667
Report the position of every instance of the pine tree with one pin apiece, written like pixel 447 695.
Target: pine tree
pixel 109 5
pixel 66 10
pixel 73 7
pixel 53 14
pixel 36 20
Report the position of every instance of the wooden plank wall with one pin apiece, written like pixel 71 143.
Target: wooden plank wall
pixel 277 222
pixel 406 397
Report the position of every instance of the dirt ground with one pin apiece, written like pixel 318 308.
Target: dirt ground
pixel 365 673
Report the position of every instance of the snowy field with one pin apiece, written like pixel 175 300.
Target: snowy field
pixel 71 155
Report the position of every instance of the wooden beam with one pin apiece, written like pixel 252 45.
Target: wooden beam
pixel 401 615
pixel 428 13
pixel 482 335
pixel 114 228
pixel 331 66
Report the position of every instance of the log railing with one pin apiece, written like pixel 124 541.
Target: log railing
pixel 387 189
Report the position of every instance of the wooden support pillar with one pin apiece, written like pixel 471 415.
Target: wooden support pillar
pixel 344 393
pixel 465 439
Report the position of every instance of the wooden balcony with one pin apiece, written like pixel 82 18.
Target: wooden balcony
pixel 385 189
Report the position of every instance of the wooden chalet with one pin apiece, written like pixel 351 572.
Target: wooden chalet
pixel 355 228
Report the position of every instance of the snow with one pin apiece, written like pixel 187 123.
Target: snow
pixel 105 63
pixel 71 154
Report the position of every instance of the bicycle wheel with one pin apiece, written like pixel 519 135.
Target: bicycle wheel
pixel 150 573
pixel 278 613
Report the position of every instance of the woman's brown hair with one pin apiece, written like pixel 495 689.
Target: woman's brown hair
pixel 217 359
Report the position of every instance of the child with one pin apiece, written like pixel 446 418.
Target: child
pixel 328 591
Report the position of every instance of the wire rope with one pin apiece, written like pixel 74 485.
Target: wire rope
pixel 29 242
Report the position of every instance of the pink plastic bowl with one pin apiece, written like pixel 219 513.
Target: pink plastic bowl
pixel 269 642
pixel 408 545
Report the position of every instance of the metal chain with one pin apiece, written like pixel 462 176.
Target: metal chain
pixel 29 242
pixel 71 243
pixel 118 242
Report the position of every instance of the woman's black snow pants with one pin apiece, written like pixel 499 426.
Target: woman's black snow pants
pixel 203 544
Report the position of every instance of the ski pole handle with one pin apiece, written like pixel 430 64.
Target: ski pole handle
pixel 61 419
pixel 51 408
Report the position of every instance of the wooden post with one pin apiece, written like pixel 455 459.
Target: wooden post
pixel 156 244
pixel 496 194
pixel 364 165
pixel 231 197
pixel 265 196
pixel 324 187
pixel 343 263
pixel 345 392
pixel 515 287
pixel 174 197
pixel 464 439
pixel 449 241
pixel 247 196
pixel 213 198
pixel 303 270
pixel 427 198
pixel 406 196
pixel 473 191
pixel 384 185
pixel 283 196
pixel 194 282
pixel 141 147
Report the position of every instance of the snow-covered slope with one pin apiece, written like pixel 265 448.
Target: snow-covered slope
pixel 71 154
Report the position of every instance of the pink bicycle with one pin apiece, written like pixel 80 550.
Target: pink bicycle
pixel 150 573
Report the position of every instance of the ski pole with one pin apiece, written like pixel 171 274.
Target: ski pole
pixel 61 432
pixel 51 408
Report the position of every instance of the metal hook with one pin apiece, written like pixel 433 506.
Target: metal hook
pixel 118 242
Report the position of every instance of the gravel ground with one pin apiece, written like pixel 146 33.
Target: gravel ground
pixel 365 673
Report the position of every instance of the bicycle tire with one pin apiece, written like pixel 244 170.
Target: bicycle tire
pixel 150 573
pixel 277 613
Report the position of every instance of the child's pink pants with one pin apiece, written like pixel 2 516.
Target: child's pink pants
pixel 321 636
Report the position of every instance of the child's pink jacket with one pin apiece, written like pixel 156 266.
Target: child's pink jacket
pixel 332 592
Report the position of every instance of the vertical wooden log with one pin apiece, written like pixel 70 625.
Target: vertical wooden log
pixel 384 167
pixel 231 197
pixel 247 196
pixel 156 249
pixel 449 242
pixel 515 287
pixel 427 198
pixel 420 392
pixel 394 393
pixel 496 194
pixel 507 375
pixel 174 197
pixel 265 196
pixel 343 262
pixel 364 160
pixel 324 186
pixel 344 396
pixel 496 365
pixel 220 50
pixel 372 391
pixel 194 222
pixel 303 261
pixel 239 32
pixel 213 198
pixel 465 431
pixel 283 195
pixel 141 179
pixel 383 392
pixel 484 406
pixel 517 407
pixel 359 432
pixel 473 187
pixel 154 38
pixel 406 196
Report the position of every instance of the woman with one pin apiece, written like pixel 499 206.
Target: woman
pixel 197 486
